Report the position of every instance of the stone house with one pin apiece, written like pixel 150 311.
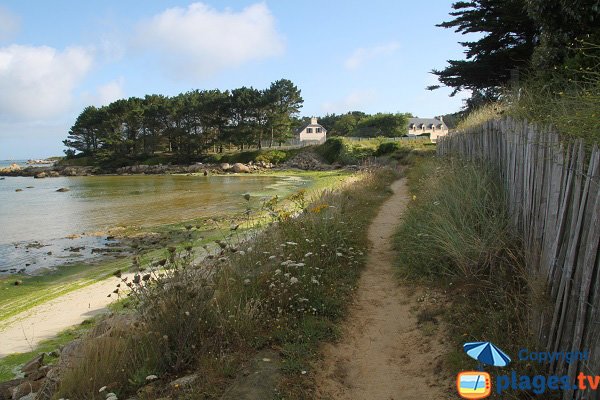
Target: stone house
pixel 435 127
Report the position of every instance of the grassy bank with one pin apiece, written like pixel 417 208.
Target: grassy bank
pixel 285 288
pixel 456 238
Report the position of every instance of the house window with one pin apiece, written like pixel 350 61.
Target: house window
pixel 318 130
pixel 308 130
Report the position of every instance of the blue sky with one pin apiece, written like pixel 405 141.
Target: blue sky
pixel 57 56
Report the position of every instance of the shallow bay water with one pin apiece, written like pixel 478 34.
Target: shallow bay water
pixel 39 220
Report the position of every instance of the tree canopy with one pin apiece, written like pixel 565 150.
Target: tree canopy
pixel 532 36
pixel 186 124
pixel 358 123
pixel 507 44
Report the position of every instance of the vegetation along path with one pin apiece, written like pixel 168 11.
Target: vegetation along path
pixel 382 353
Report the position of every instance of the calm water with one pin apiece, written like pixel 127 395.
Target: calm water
pixel 37 220
pixel 6 163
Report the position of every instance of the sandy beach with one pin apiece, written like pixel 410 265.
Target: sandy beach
pixel 23 332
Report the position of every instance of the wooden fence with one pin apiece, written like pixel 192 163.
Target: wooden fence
pixel 553 191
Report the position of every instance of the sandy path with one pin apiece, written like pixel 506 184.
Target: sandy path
pixel 24 331
pixel 382 354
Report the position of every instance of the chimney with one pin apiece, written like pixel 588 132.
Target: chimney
pixel 313 121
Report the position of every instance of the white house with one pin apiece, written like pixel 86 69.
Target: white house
pixel 312 133
pixel 435 127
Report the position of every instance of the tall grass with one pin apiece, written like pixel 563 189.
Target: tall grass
pixel 283 286
pixel 568 101
pixel 456 235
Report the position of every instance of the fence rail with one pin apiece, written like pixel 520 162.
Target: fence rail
pixel 553 192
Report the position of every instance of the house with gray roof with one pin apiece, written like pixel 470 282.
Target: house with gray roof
pixel 435 127
pixel 311 133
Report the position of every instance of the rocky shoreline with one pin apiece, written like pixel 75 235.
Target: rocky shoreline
pixel 304 161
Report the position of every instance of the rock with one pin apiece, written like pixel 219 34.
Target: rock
pixel 6 388
pixel 185 382
pixel 18 190
pixel 307 161
pixel 26 388
pixel 239 167
pixel 259 380
pixel 40 175
pixel 39 374
pixel 14 167
pixel 33 365
pixel 62 190
pixel 30 396
pixel 225 167
pixel 69 171
pixel 53 174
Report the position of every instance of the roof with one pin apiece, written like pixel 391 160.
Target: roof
pixel 309 125
pixel 427 121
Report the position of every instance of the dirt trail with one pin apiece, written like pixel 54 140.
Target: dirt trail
pixel 383 355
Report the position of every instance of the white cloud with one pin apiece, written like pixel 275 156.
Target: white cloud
pixel 365 54
pixel 357 100
pixel 107 93
pixel 9 23
pixel 38 82
pixel 198 41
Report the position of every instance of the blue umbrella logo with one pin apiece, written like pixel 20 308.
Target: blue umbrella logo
pixel 487 353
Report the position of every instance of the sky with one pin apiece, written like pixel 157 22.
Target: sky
pixel 56 57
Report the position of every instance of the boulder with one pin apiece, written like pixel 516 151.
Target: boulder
pixel 40 175
pixel 6 388
pixel 239 167
pixel 33 365
pixel 225 167
pixel 69 171
pixel 26 388
pixel 53 174
pixel 185 382
pixel 62 190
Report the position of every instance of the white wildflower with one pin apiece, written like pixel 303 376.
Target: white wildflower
pixel 293 280
pixel 249 249
pixel 299 265
pixel 187 313
pixel 272 257
pixel 151 377
pixel 292 243
pixel 339 254
pixel 246 281
pixel 102 389
pixel 308 254
pixel 314 280
pixel 242 253
pixel 277 271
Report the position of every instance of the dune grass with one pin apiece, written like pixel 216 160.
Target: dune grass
pixel 456 237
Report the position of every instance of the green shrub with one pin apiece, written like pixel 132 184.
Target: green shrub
pixel 344 151
pixel 387 148
pixel 272 156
